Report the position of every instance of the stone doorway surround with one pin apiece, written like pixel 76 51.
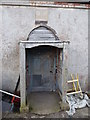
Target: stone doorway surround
pixel 23 45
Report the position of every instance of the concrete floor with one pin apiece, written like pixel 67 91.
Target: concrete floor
pixel 43 102
pixel 80 113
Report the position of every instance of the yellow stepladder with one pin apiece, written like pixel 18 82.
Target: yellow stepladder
pixel 76 86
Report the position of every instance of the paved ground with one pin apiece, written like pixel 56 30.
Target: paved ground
pixel 80 113
pixel 43 102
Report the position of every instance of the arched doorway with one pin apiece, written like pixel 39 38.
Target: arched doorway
pixel 43 62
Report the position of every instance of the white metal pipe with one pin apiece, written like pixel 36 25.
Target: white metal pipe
pixel 9 93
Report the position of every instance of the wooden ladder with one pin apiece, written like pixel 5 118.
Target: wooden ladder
pixel 76 86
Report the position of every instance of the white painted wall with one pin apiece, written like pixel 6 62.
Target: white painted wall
pixel 0 47
pixel 0 61
pixel 70 24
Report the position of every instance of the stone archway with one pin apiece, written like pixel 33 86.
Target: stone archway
pixel 43 36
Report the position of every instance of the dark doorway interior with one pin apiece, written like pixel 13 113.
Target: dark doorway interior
pixel 41 68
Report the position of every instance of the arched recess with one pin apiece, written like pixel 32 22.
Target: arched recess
pixel 43 36
pixel 43 33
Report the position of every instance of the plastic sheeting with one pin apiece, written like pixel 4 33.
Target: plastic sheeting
pixel 76 102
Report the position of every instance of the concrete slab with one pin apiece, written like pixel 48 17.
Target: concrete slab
pixel 43 102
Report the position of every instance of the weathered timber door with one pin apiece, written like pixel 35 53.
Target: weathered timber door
pixel 41 70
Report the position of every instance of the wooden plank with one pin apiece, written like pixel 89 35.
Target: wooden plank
pixel 80 89
pixel 41 31
pixel 42 35
pixel 74 92
pixel 70 81
pixel 74 86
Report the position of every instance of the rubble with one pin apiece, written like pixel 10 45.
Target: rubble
pixel 76 102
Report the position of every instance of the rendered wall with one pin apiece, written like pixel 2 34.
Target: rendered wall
pixel 0 61
pixel 70 24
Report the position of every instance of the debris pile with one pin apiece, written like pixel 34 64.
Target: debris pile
pixel 76 102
